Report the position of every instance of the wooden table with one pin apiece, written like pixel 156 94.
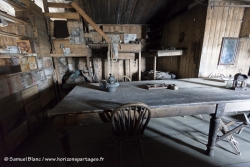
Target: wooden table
pixel 88 104
pixel 162 53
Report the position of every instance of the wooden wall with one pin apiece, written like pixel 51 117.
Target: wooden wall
pixel 123 66
pixel 245 28
pixel 192 23
pixel 221 22
pixel 28 93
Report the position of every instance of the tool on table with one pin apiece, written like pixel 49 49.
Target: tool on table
pixel 162 86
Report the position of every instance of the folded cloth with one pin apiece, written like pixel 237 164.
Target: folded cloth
pixel 61 29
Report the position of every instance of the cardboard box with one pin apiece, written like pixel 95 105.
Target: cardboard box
pixel 9 66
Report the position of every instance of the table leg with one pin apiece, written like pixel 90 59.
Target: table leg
pixel 155 58
pixel 60 125
pixel 213 129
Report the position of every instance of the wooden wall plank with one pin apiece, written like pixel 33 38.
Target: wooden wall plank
pixel 245 28
pixel 226 24
pixel 192 23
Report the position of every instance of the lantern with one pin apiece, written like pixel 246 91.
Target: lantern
pixel 239 82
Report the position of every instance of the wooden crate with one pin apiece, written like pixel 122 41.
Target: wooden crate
pixel 129 48
pixel 30 94
pixel 4 89
pixel 9 66
pixel 32 106
pixel 35 119
pixel 15 83
pixel 34 114
pixel 45 98
pixel 27 80
pixel 11 113
pixel 74 48
pixel 43 86
pixel 24 64
pixel 13 139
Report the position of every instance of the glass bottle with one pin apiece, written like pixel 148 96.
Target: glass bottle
pixel 229 82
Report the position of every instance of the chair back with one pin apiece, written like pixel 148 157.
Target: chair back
pixel 130 120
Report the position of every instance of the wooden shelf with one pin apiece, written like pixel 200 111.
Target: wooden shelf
pixel 12 18
pixel 70 55
pixel 15 5
pixel 74 15
pixel 13 35
pixel 162 53
pixel 3 76
pixel 10 55
pixel 59 5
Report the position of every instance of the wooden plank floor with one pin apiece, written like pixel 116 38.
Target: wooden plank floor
pixel 175 141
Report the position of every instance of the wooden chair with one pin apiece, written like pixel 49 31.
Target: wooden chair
pixel 216 75
pixel 129 122
pixel 124 77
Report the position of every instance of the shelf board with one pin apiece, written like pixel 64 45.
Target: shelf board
pixel 13 35
pixel 72 15
pixel 15 5
pixel 59 5
pixel 3 76
pixel 12 18
pixel 10 55
pixel 70 55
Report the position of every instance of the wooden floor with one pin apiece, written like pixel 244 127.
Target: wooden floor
pixel 173 142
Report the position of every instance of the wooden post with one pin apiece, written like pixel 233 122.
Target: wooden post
pixel 88 65
pixel 139 66
pixel 58 76
pixel 108 57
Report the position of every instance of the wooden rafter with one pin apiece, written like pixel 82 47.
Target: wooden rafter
pixel 15 5
pixel 59 5
pixel 240 3
pixel 11 18
pixel 63 15
pixel 90 21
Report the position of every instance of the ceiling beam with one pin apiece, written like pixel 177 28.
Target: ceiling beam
pixel 11 18
pixel 90 21
pixel 59 5
pixel 74 15
pixel 240 3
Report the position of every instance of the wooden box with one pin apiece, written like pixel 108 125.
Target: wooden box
pixel 24 64
pixel 34 114
pixel 30 94
pixel 4 89
pixel 15 83
pixel 45 98
pixel 11 113
pixel 129 48
pixel 25 46
pixel 9 66
pixel 35 119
